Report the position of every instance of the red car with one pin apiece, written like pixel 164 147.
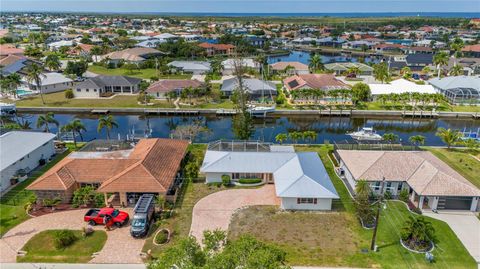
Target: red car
pixel 96 216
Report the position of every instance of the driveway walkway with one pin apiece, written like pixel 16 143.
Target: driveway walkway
pixel 119 248
pixel 465 225
pixel 215 210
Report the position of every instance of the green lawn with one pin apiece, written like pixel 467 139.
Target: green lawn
pixel 462 161
pixel 58 100
pixel 12 212
pixel 40 248
pixel 140 73
pixel 379 106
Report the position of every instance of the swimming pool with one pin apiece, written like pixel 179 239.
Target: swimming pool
pixel 22 91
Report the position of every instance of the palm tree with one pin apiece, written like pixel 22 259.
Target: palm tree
pixel 10 83
pixel 471 144
pixel 457 46
pixel 426 70
pixel 353 70
pixel 362 189
pixel 280 138
pixel 457 70
pixel 449 136
pixel 107 122
pixel 390 137
pixel 295 136
pixel 380 72
pixel 315 63
pixel 35 75
pixel 406 72
pixel 418 233
pixel 45 120
pixel 417 140
pixel 440 59
pixel 52 62
pixel 78 127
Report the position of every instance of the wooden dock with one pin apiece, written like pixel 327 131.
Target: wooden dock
pixel 420 114
pixel 161 111
pixel 225 112
pixel 335 113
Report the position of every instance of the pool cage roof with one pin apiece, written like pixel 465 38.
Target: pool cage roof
pixel 250 146
pixel 462 94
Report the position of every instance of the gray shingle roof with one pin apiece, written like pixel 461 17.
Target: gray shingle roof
pixel 102 81
pixel 252 85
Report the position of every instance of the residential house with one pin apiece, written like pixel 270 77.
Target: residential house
pixel 314 81
pixel 50 82
pixel 301 181
pixel 289 68
pixel 217 49
pixel 159 89
pixel 458 89
pixel 121 172
pixel 83 50
pixel 399 86
pixel 193 67
pixel 419 49
pixel 342 67
pixel 15 64
pixel 21 152
pixel 430 182
pixel 9 49
pixel 471 51
pixel 256 88
pixel 105 86
pixel 471 66
pixel 133 55
pixel 54 46
pixel 228 66
pixel 381 48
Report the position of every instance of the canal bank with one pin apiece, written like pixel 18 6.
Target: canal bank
pixel 279 112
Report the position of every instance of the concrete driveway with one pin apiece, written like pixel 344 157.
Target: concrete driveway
pixel 215 210
pixel 465 225
pixel 119 248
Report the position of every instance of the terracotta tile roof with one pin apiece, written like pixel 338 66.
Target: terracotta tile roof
pixel 150 167
pixel 424 172
pixel 168 85
pixel 314 81
pixel 206 45
pixel 10 59
pixel 133 54
pixel 80 47
pixel 6 49
pixel 471 48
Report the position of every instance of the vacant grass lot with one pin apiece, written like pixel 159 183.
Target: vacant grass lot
pixel 140 73
pixel 12 210
pixel 58 100
pixel 462 161
pixel 311 238
pixel 40 248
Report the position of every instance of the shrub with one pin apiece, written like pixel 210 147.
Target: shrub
pixel 403 196
pixel 215 184
pixel 69 94
pixel 226 180
pixel 64 238
pixel 162 237
pixel 387 195
pixel 249 180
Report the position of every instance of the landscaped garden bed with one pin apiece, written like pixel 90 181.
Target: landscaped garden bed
pixel 63 246
pixel 161 237
pixel 249 182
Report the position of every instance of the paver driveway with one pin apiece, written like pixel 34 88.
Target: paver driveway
pixel 119 248
pixel 466 226
pixel 215 210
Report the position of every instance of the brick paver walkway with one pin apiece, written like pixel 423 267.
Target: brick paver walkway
pixel 215 210
pixel 119 248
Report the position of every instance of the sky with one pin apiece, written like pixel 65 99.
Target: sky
pixel 244 6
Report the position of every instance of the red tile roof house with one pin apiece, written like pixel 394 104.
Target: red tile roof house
pixel 431 183
pixel 80 50
pixel 152 166
pixel 314 81
pixel 472 51
pixel 159 89
pixel 217 49
pixel 9 49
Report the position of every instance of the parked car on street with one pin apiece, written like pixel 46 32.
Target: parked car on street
pixel 96 216
pixel 144 212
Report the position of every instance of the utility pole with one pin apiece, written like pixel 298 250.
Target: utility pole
pixel 377 217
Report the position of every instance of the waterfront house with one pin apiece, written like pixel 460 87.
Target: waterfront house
pixel 193 67
pixel 289 68
pixel 9 49
pixel 430 182
pixel 301 181
pixel 381 48
pixel 399 86
pixel 471 51
pixel 106 86
pixel 255 88
pixel 228 66
pixel 133 55
pixel 21 152
pixel 314 81
pixel 120 171
pixel 50 82
pixel 217 49
pixel 342 67
pixel 458 89
pixel 159 89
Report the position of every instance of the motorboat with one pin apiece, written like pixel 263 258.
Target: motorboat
pixel 261 110
pixel 7 109
pixel 366 133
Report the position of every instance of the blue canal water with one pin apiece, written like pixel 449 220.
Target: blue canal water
pixel 331 129
pixel 304 57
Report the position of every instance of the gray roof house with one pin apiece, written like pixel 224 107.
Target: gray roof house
pixel 458 89
pixel 22 151
pixel 105 86
pixel 255 87
pixel 194 67
pixel 301 181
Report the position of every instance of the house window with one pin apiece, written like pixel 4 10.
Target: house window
pixel 400 185
pixel 87 90
pixel 79 90
pixel 376 187
pixel 307 201
pixel 95 90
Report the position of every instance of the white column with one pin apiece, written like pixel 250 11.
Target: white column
pixel 435 203
pixel 474 205
pixel 420 202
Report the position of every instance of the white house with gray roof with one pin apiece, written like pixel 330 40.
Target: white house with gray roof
pixel 50 82
pixel 254 87
pixel 194 67
pixel 22 151
pixel 105 86
pixel 301 181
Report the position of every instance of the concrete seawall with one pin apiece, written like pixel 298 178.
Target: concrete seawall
pixel 223 112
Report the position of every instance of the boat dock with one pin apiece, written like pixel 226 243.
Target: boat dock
pixel 160 111
pixel 420 114
pixel 335 113
pixel 225 112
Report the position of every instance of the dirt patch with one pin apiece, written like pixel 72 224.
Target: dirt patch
pixel 307 237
